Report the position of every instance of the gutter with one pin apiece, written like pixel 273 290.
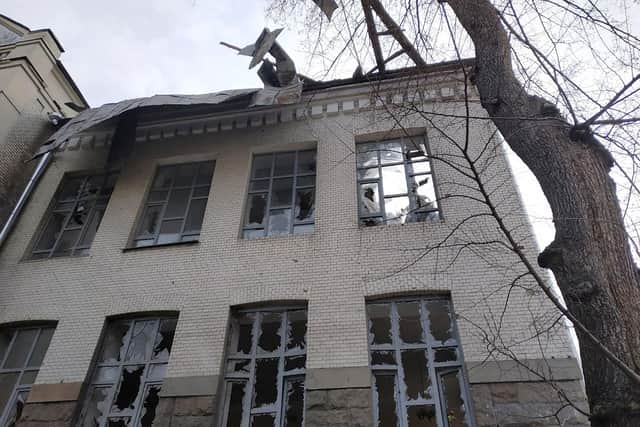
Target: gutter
pixel 44 162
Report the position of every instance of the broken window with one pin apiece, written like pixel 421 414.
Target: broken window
pixel 75 214
pixel 416 366
pixel 265 369
pixel 395 182
pixel 127 379
pixel 22 351
pixel 175 205
pixel 281 196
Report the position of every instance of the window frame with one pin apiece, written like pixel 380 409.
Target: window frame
pixel 245 227
pixel 408 175
pixel 280 405
pixel 112 387
pixel 97 203
pixel 435 369
pixel 19 388
pixel 191 235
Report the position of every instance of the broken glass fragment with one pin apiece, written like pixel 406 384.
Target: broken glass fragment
pixel 297 330
pixel 409 322
pixel 304 208
pixel 383 358
pixel 379 324
pixel 263 420
pixel 115 340
pixel 294 362
pixel 242 333
pixel 270 332
pixel 97 406
pixel 266 382
pixel 396 209
pixel 236 366
pixel 416 374
pixel 149 405
pixel 129 388
pixel 386 396
pixel 164 339
pixel 440 321
pixel 422 416
pixel 455 406
pixel 235 396
pixel 157 371
pixel 37 355
pixel 141 337
pixel 107 374
pixel 257 207
pixel 446 355
pixel 369 198
pixel 294 409
pixel 20 349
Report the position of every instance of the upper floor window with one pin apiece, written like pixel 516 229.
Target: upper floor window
pixel 416 365
pixel 281 194
pixel 21 353
pixel 175 206
pixel 265 369
pixel 395 182
pixel 73 219
pixel 127 378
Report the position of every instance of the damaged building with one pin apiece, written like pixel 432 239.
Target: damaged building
pixel 259 258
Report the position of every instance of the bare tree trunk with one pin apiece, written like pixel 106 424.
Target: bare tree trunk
pixel 590 256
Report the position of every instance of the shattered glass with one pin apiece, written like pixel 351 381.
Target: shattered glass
pixel 440 321
pixel 454 403
pixel 149 405
pixel 297 330
pixel 383 357
pixel 369 198
pixel 256 211
pixel 294 362
pixel 97 406
pixel 304 209
pixel 446 355
pixel 379 324
pixel 238 366
pixel 243 333
pixel 270 332
pixel 396 209
pixel 422 416
pixel 416 374
pixel 266 382
pixel 294 411
pixel 235 397
pixel 386 395
pixel 142 335
pixel 128 389
pixel 409 322
pixel 164 339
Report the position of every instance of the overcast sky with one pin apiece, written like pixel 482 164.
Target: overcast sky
pixel 121 49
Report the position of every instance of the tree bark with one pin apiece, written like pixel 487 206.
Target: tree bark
pixel 590 255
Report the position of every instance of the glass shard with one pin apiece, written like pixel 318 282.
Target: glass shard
pixel 256 211
pixel 115 340
pixel 129 388
pixel 149 405
pixel 416 374
pixel 454 404
pixel 142 336
pixel 385 390
pixel 369 198
pixel 396 209
pixel 266 382
pixel 305 200
pixel 294 362
pixel 235 397
pixel 422 416
pixel 383 358
pixel 164 339
pixel 409 322
pixel 294 409
pixel 379 324
pixel 270 332
pixel 297 330
pixel 440 320
pixel 97 407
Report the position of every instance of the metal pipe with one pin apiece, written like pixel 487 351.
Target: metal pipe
pixel 33 181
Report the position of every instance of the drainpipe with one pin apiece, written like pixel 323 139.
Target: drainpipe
pixel 33 181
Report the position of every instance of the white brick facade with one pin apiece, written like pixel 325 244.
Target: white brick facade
pixel 334 269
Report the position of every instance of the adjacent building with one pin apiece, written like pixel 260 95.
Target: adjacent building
pixel 199 261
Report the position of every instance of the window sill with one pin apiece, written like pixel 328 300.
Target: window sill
pixel 162 245
pixel 438 221
pixel 276 237
pixel 34 260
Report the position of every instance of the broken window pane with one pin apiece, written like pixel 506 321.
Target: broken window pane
pixel 284 164
pixel 294 411
pixel 422 416
pixel 391 152
pixel 114 342
pixel 396 209
pixel 243 333
pixel 446 355
pixel 416 374
pixel 266 382
pixel 107 374
pixel 256 211
pixel 383 357
pixel 265 420
pixel 454 404
pixel 164 339
pixel 270 332
pixel 128 389
pixel 238 366
pixel 149 405
pixel 379 324
pixel 409 322
pixel 7 383
pixel 143 334
pixel 386 398
pixel 367 155
pixel 306 162
pixel 297 330
pixel 41 347
pixel 439 320
pixel 369 198
pixel 279 222
pixel 304 208
pixel 294 362
pixel 20 349
pixel 235 393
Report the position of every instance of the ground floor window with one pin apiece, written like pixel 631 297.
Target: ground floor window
pixel 416 365
pixel 131 365
pixel 21 353
pixel 265 369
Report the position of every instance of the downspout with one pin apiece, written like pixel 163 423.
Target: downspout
pixel 45 160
